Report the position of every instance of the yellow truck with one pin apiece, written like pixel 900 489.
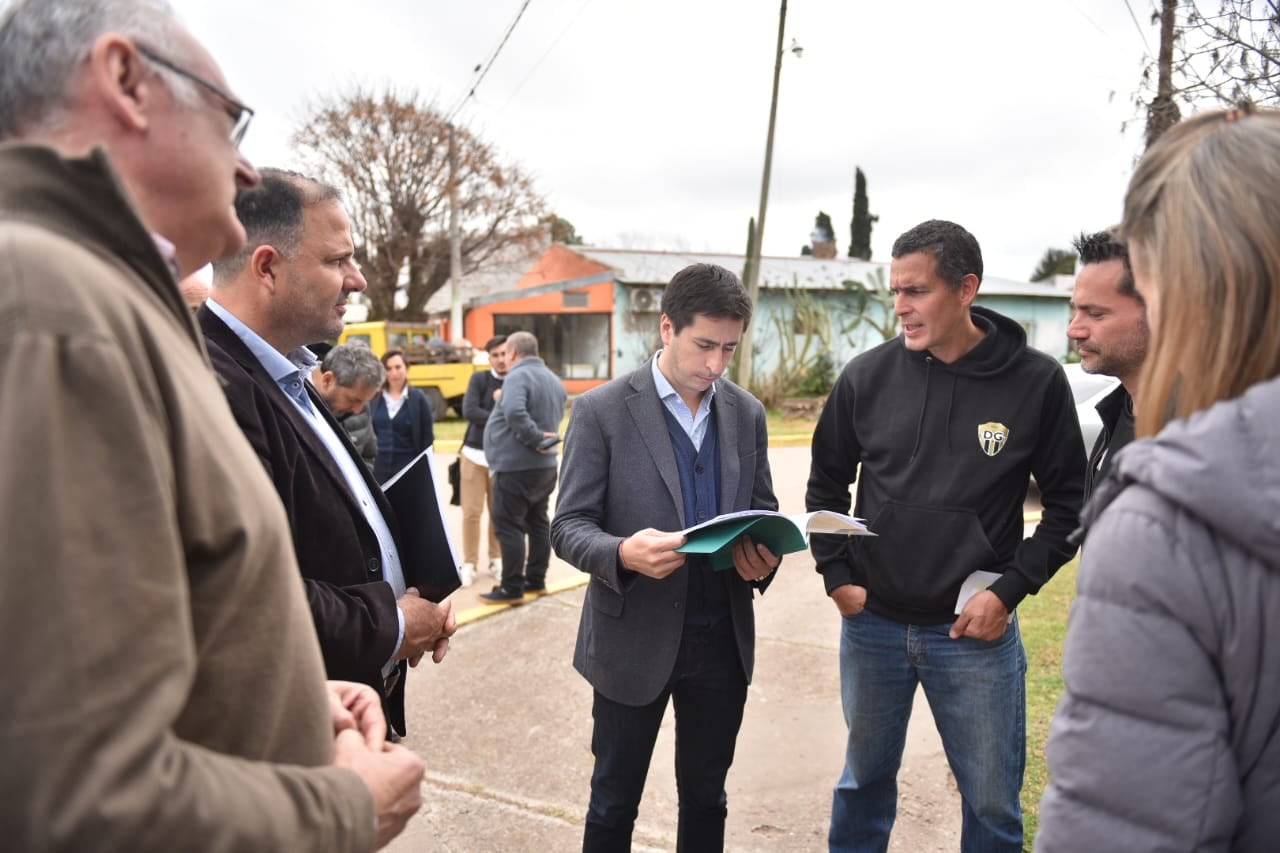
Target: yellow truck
pixel 440 369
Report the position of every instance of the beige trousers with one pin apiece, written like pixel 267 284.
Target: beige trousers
pixel 477 495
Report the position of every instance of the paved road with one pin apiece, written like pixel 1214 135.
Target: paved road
pixel 505 727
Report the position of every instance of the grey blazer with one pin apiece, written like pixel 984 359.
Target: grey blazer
pixel 618 476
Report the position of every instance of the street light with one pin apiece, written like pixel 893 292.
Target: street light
pixel 753 264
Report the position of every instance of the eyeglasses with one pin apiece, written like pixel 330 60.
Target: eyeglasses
pixel 240 114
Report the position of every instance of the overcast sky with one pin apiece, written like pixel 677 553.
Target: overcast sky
pixel 643 121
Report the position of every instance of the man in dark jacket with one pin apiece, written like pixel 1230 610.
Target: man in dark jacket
pixel 519 443
pixel 1109 327
pixel 942 429
pixel 287 286
pixel 476 486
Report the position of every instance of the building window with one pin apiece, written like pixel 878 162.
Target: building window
pixel 576 346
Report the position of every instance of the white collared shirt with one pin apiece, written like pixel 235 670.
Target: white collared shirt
pixel 694 424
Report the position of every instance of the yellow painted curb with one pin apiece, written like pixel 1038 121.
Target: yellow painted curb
pixel 481 611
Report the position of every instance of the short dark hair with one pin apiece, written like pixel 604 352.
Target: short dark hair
pixel 272 214
pixel 705 289
pixel 495 341
pixel 1108 246
pixel 955 250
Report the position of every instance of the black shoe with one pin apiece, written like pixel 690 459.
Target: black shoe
pixel 501 594
pixel 535 589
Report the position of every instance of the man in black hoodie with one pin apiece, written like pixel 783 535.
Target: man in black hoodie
pixel 941 428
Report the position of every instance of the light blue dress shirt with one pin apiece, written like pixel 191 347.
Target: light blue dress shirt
pixel 694 424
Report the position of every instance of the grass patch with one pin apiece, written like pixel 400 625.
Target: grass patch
pixel 1043 620
pixel 789 425
pixel 450 429
pixel 454 428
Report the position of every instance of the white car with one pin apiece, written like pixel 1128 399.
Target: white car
pixel 1088 389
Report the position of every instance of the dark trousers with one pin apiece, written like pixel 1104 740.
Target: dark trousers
pixel 708 690
pixel 520 509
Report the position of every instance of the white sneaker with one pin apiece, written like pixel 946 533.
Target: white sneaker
pixel 495 567
pixel 467 573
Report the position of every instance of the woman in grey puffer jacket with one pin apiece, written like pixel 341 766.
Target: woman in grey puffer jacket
pixel 1168 734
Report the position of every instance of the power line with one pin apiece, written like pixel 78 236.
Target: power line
pixel 1085 15
pixel 492 58
pixel 1137 25
pixel 547 53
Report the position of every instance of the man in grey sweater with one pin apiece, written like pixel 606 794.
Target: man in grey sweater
pixel 519 443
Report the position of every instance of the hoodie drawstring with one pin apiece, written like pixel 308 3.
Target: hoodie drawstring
pixel 924 404
pixel 951 402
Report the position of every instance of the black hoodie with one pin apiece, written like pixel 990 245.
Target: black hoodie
pixel 946 452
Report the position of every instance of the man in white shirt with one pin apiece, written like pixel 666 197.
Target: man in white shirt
pixel 477 488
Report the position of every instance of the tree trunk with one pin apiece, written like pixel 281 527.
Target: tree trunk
pixel 1163 112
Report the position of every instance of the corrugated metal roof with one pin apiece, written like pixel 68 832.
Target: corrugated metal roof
pixel 657 268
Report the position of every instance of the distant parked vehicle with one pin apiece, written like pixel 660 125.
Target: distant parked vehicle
pixel 441 370
pixel 1088 389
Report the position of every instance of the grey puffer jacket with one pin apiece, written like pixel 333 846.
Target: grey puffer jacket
pixel 1168 735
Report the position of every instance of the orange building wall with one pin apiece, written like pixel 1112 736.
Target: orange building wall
pixel 558 263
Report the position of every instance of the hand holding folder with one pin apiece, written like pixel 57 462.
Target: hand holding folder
pixel 781 534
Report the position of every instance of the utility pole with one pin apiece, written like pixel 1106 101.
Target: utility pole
pixel 455 246
pixel 745 349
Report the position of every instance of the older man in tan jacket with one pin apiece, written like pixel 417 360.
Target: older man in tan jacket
pixel 163 686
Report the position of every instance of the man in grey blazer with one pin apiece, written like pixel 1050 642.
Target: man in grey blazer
pixel 647 455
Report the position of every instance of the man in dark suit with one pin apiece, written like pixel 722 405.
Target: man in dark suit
pixel 287 287
pixel 1109 328
pixel 657 625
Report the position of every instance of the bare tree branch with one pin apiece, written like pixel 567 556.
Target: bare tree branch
pixel 1212 53
pixel 389 152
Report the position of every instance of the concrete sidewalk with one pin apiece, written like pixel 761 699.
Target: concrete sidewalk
pixel 504 725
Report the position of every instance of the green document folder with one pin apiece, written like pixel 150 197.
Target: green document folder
pixel 781 534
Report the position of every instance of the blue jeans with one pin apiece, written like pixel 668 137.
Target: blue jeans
pixel 977 693
pixel 708 690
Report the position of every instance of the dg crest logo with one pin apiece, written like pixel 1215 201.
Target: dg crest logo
pixel 992 437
